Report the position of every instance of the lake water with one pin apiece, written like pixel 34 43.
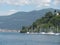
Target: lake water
pixel 25 39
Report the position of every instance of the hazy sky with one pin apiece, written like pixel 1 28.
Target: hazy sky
pixel 8 7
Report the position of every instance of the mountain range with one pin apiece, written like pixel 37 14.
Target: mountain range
pixel 19 19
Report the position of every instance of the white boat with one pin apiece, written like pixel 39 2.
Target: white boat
pixel 50 33
pixel 42 33
pixel 57 33
pixel 27 32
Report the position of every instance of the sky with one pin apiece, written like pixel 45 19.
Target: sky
pixel 8 7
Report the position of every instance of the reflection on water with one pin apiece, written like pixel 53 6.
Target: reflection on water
pixel 24 39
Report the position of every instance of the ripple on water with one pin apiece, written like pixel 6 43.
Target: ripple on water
pixel 24 39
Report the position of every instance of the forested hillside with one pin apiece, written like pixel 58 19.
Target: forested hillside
pixel 49 22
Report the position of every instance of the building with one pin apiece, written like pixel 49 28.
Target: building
pixel 58 14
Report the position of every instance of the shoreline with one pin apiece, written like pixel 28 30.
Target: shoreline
pixel 2 30
pixel 43 33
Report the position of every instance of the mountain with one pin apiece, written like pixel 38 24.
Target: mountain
pixel 19 19
pixel 49 23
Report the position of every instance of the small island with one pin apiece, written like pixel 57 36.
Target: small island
pixel 50 22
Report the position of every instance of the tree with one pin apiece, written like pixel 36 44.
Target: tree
pixel 49 15
pixel 34 25
pixel 23 30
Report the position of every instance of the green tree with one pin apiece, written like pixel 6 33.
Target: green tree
pixel 23 30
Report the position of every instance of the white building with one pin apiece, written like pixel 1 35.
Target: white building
pixel 57 13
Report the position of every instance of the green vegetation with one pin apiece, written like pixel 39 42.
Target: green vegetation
pixel 50 22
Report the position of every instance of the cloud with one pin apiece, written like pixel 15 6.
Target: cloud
pixel 56 2
pixel 38 3
pixel 6 13
pixel 15 2
pixel 26 2
pixel 42 2
pixel 11 12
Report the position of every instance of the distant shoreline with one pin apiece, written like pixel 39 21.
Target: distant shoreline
pixel 2 30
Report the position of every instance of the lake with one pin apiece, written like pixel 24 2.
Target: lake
pixel 13 38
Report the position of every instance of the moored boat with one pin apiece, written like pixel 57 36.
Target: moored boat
pixel 57 33
pixel 50 33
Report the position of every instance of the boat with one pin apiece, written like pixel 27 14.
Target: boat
pixel 42 33
pixel 50 33
pixel 57 33
pixel 27 32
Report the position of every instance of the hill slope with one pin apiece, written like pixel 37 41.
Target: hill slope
pixel 19 19
pixel 49 23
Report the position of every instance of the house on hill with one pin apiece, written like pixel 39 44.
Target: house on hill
pixel 57 14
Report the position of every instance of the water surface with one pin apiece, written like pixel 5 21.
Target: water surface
pixel 25 39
